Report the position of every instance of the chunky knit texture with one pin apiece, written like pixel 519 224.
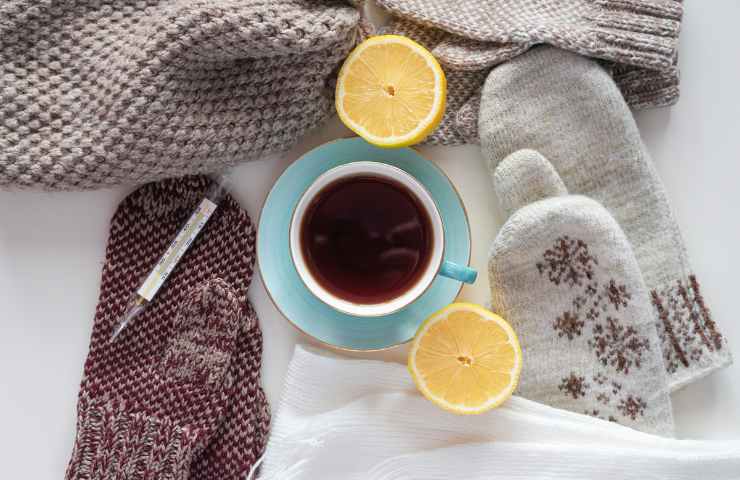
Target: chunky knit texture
pixel 637 38
pixel 96 93
pixel 563 273
pixel 183 380
pixel 568 108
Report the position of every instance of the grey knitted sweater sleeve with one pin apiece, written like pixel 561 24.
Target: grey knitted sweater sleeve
pixel 637 40
pixel 99 93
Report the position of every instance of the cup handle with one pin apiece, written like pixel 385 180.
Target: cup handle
pixel 458 272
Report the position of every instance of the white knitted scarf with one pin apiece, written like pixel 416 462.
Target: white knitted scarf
pixel 359 419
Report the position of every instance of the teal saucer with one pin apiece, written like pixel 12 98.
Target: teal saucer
pixel 301 307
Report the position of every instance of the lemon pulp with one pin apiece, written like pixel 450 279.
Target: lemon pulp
pixel 391 91
pixel 465 359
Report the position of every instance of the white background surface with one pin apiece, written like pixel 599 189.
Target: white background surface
pixel 52 246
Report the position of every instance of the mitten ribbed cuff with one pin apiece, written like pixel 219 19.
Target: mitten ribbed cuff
pixel 113 443
pixel 692 345
pixel 647 88
pixel 636 32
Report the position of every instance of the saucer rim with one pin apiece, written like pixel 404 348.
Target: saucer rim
pixel 277 305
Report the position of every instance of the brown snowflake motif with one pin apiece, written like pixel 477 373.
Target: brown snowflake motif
pixel 632 407
pixel 568 261
pixel 574 386
pixel 597 414
pixel 618 346
pixel 569 325
pixel 600 378
pixel 617 295
pixel 606 388
pixel 590 300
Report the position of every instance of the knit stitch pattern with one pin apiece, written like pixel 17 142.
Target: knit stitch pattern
pixel 151 420
pixel 96 93
pixel 563 273
pixel 113 443
pixel 639 37
pixel 189 365
pixel 634 32
pixel 569 108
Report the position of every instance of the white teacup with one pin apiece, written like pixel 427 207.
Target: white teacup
pixel 436 265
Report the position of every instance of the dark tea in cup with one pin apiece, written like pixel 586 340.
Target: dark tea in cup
pixel 366 239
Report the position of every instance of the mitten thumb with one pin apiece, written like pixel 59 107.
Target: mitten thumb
pixel 524 177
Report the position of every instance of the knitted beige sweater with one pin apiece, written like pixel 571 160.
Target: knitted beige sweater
pixel 96 93
pixel 636 39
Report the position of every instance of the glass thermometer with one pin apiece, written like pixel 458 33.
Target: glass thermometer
pixel 145 294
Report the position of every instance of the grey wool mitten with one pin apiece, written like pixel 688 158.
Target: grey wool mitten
pixel 568 108
pixel 563 273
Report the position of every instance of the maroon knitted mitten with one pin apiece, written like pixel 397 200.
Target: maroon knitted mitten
pixel 151 401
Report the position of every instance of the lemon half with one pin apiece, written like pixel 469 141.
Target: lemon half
pixel 465 359
pixel 391 91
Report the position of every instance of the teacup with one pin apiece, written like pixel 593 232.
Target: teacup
pixel 434 265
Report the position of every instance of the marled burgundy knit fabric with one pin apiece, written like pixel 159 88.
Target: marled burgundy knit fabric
pixel 153 402
pixel 241 438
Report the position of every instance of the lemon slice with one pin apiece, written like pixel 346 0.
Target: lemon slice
pixel 391 91
pixel 465 359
